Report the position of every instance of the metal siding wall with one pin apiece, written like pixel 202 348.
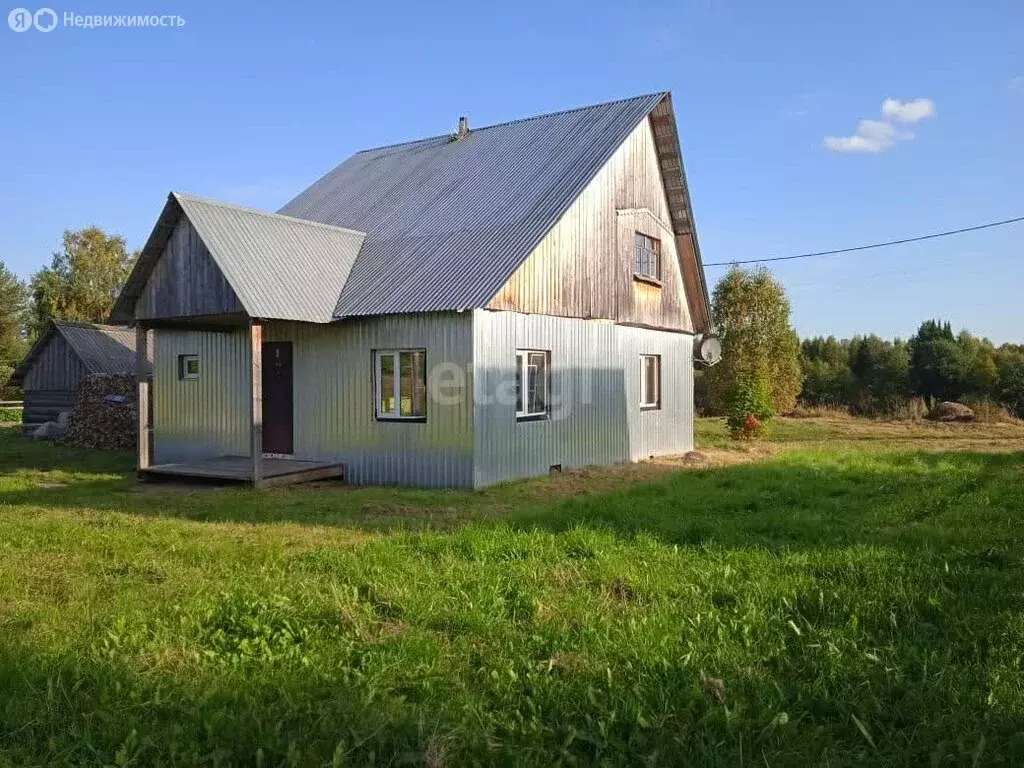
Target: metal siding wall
pixel 668 430
pixel 204 417
pixel 595 383
pixel 334 399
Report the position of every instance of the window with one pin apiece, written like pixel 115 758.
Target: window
pixel 188 366
pixel 650 381
pixel 401 377
pixel 533 384
pixel 646 256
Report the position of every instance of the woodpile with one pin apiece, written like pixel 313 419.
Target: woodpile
pixel 105 415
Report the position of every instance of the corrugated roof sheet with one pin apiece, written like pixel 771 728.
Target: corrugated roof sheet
pixel 448 221
pixel 429 225
pixel 279 266
pixel 101 348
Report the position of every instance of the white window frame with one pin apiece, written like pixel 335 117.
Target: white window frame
pixel 183 373
pixel 396 414
pixel 644 405
pixel 523 368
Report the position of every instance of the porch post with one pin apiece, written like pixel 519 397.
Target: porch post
pixel 256 410
pixel 142 376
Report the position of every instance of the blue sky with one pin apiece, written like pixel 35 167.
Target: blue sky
pixel 250 102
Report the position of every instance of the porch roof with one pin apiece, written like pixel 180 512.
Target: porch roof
pixel 278 266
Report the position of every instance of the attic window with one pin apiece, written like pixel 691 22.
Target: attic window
pixel 646 256
pixel 188 366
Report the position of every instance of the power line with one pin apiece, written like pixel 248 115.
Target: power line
pixel 872 245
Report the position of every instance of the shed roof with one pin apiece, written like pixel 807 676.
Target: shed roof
pixel 100 348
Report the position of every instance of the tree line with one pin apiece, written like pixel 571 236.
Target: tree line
pixel 766 369
pixel 80 283
pixel 873 376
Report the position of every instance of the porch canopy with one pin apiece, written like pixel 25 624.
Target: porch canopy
pixel 209 266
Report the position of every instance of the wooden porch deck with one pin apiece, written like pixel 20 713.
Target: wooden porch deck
pixel 238 469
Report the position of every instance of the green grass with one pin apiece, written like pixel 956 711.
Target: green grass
pixel 10 415
pixel 857 604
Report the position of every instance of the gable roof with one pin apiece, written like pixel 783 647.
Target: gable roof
pixel 100 348
pixel 449 221
pixel 278 266
pixel 429 225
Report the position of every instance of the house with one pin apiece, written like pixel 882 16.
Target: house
pixel 63 356
pixel 457 311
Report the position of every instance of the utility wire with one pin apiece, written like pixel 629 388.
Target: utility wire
pixel 867 247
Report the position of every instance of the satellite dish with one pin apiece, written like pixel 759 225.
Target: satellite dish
pixel 707 349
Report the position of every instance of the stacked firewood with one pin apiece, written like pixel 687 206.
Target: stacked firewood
pixel 104 417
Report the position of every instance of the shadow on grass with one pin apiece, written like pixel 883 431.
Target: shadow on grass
pixel 917 499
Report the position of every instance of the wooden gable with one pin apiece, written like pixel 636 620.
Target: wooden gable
pixel 584 265
pixel 185 281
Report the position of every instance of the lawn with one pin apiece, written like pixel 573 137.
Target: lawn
pixel 851 593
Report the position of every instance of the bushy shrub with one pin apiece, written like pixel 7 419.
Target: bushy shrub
pixel 750 411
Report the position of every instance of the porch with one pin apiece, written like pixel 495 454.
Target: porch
pixel 239 469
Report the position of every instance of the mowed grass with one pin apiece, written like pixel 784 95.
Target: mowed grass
pixel 846 600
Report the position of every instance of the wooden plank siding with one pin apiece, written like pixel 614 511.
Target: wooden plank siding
pixel 584 266
pixel 51 382
pixel 57 367
pixel 186 281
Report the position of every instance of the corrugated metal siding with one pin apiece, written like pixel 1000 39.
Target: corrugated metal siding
pixel 448 221
pixel 334 399
pixel 208 416
pixel 596 417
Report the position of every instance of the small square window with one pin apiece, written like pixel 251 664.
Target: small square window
pixel 533 384
pixel 188 366
pixel 650 382
pixel 401 383
pixel 646 256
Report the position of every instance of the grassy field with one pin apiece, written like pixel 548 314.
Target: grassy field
pixel 851 593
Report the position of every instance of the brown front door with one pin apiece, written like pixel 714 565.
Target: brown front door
pixel 277 397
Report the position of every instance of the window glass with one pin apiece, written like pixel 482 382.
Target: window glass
pixel 646 256
pixel 533 383
pixel 650 381
pixel 387 383
pixel 413 385
pixel 188 366
pixel 401 382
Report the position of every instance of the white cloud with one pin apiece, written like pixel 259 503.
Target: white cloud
pixel 908 111
pixel 873 136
